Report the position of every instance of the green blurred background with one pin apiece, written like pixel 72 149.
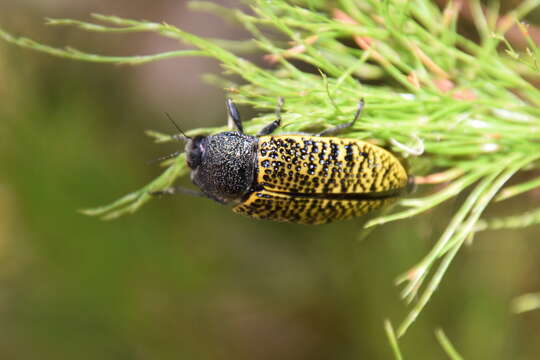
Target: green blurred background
pixel 185 278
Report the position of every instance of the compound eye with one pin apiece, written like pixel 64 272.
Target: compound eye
pixel 194 151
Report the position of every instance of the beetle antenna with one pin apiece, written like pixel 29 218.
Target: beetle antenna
pixel 177 128
pixel 163 158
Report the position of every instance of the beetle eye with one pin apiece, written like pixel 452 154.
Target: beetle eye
pixel 194 151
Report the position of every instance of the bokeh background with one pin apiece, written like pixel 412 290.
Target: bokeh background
pixel 185 278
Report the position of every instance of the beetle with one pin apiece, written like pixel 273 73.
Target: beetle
pixel 297 178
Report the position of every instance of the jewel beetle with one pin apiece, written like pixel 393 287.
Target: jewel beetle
pixel 298 178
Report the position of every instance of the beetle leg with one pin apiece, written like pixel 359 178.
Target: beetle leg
pixel 340 127
pixel 268 129
pixel 234 115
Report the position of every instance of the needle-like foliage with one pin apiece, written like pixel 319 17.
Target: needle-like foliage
pixel 465 113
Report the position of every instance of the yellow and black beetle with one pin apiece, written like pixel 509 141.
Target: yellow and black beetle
pixel 305 179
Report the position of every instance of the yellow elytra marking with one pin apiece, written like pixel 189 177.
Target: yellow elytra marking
pixel 291 167
pixel 276 206
pixel 310 164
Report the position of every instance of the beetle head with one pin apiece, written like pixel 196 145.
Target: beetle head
pixel 194 151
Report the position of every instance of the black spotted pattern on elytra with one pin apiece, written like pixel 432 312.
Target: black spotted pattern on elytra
pixel 303 210
pixel 327 165
pixel 309 179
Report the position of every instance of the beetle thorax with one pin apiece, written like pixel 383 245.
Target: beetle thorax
pixel 223 165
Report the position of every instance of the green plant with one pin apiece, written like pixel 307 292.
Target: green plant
pixel 470 106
